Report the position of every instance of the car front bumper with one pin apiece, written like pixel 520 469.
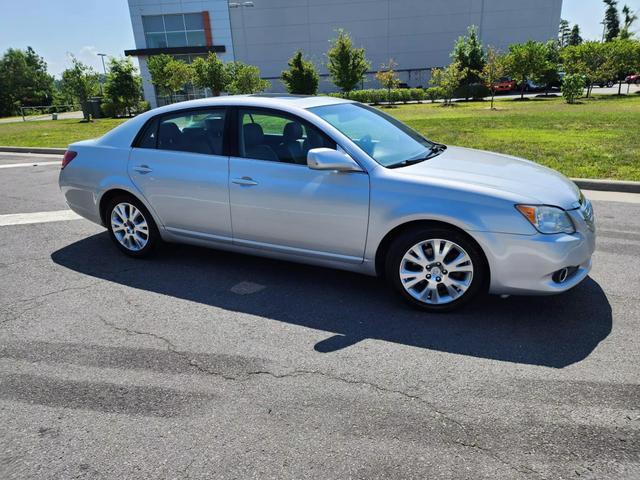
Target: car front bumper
pixel 525 264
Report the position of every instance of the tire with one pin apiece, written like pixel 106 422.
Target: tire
pixel 433 287
pixel 126 218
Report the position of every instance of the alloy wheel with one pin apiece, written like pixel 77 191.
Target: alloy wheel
pixel 129 226
pixel 436 271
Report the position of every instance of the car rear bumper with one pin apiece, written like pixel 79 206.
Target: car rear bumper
pixel 526 264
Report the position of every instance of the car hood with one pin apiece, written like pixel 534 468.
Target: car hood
pixel 499 172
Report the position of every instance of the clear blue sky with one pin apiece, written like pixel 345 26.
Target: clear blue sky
pixel 86 27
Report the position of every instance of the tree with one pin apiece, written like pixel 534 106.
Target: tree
pixel 575 38
pixel 160 75
pixel 388 77
pixel 550 73
pixel 611 20
pixel 346 64
pixel 448 80
pixel 302 77
pixel 179 74
pixel 572 87
pixel 123 84
pixel 564 32
pixel 211 73
pixel 629 19
pixel 81 83
pixel 589 60
pixel 527 61
pixel 621 59
pixel 245 79
pixel 468 53
pixel 495 67
pixel 24 81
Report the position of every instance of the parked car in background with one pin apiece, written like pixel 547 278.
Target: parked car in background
pixel 632 79
pixel 504 84
pixel 333 182
pixel 531 86
pixel 605 83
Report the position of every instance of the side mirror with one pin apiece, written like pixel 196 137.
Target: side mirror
pixel 328 159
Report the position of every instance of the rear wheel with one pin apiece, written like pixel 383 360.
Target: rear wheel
pixel 435 269
pixel 131 226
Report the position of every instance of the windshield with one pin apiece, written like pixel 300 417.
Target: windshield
pixel 385 139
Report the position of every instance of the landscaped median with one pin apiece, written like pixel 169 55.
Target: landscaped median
pixel 595 139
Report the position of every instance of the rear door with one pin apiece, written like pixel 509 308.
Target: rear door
pixel 179 165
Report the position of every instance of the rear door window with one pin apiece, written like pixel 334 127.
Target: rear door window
pixel 195 131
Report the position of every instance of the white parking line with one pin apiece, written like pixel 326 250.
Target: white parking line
pixel 32 164
pixel 37 217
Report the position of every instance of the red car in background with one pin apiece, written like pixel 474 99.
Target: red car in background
pixel 505 84
pixel 632 79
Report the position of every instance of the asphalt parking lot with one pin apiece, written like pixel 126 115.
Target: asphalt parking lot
pixel 204 364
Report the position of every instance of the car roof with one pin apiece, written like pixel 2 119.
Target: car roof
pixel 275 100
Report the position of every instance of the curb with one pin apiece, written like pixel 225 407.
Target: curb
pixel 51 151
pixel 607 185
pixel 583 183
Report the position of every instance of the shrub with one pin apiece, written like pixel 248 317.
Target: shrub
pixel 143 106
pixel 346 64
pixel 302 77
pixel 572 87
pixel 435 93
pixel 379 95
pixel 109 109
pixel 477 91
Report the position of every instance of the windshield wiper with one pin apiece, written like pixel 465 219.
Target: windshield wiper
pixel 436 150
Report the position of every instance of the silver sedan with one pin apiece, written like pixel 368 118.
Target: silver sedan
pixel 335 183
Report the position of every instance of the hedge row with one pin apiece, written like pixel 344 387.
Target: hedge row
pixel 403 95
pixel 380 95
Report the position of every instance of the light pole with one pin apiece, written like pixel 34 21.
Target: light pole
pixel 244 32
pixel 102 55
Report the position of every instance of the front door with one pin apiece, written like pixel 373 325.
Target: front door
pixel 278 203
pixel 180 167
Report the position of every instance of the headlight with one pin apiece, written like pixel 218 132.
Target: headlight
pixel 547 219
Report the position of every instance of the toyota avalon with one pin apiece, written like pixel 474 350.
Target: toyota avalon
pixel 335 183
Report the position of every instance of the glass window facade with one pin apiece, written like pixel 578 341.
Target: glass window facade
pixel 177 30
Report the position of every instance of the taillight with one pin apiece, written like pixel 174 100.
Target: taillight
pixel 68 156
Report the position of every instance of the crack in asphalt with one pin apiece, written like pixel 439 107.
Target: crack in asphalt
pixel 9 308
pixel 523 469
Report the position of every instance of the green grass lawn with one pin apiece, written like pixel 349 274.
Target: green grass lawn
pixel 594 139
pixel 53 133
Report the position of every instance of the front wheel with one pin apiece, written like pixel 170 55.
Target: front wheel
pixel 435 269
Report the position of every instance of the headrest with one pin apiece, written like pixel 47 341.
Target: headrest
pixel 169 132
pixel 214 125
pixel 253 134
pixel 292 132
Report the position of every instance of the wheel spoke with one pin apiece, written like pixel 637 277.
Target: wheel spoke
pixel 411 279
pixel 418 255
pixel 462 263
pixel 444 247
pixel 431 295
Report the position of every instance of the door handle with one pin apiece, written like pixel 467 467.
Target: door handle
pixel 142 169
pixel 244 181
